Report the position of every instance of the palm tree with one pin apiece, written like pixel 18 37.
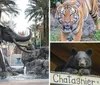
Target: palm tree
pixel 38 10
pixel 34 28
pixel 34 10
pixel 8 7
pixel 9 24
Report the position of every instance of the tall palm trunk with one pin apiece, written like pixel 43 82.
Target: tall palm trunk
pixel 47 28
pixel 35 39
pixel 44 24
pixel 35 34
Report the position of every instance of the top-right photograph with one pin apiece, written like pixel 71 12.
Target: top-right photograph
pixel 74 20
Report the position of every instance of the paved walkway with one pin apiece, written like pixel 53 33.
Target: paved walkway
pixel 27 82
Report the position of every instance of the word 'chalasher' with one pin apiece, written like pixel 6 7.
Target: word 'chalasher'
pixel 57 78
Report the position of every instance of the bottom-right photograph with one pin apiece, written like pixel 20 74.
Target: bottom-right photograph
pixel 75 63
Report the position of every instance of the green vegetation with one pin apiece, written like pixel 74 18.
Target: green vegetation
pixel 53 2
pixel 97 36
pixel 8 7
pixel 38 11
pixel 55 36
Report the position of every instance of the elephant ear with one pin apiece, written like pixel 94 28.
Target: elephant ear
pixel 57 4
pixel 89 52
pixel 74 51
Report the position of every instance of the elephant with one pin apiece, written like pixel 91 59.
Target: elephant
pixel 7 34
pixel 2 66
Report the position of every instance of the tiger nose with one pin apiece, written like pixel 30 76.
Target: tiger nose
pixel 67 24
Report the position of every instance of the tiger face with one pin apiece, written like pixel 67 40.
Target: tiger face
pixel 68 15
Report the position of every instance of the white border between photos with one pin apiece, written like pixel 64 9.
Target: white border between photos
pixel 49 42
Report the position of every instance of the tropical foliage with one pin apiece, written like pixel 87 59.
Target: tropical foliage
pixel 9 24
pixel 38 11
pixel 97 36
pixel 33 27
pixel 8 7
pixel 53 2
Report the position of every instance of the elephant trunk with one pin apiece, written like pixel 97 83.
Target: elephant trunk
pixel 8 33
pixel 22 39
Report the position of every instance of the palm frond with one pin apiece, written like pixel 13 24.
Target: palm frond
pixel 36 8
pixel 9 7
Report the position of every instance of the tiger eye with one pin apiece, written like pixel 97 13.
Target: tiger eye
pixel 72 11
pixel 63 11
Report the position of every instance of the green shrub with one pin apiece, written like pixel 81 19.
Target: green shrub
pixel 53 2
pixel 97 35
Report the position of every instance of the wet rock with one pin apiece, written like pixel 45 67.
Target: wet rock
pixel 27 57
pixel 19 71
pixel 43 71
pixel 13 71
pixel 39 64
pixel 0 69
pixel 43 52
pixel 46 63
pixel 3 75
pixel 47 72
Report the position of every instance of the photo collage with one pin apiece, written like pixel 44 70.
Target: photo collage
pixel 49 42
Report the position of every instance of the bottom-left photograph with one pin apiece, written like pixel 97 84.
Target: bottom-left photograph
pixel 27 64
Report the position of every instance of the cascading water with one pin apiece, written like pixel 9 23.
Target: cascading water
pixel 2 55
pixel 25 70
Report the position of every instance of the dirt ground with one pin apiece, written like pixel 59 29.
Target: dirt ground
pixel 28 82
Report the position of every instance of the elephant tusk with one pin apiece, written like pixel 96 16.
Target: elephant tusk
pixel 19 46
pixel 25 50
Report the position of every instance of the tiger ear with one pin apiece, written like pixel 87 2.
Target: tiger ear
pixel 78 3
pixel 57 4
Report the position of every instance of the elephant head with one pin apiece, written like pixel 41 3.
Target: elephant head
pixel 7 34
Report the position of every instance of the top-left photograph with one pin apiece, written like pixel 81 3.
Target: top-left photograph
pixel 24 41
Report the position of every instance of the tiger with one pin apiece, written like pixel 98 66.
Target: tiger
pixel 71 15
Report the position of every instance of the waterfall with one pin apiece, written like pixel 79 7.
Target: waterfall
pixel 25 70
pixel 2 55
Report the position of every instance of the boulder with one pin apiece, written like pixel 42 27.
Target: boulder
pixel 37 62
